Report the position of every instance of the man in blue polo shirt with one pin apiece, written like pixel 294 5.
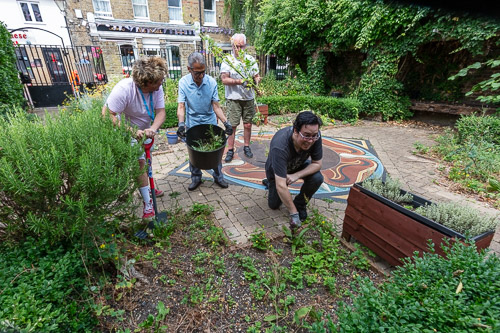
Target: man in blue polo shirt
pixel 199 104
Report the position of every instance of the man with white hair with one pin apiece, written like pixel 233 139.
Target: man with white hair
pixel 239 98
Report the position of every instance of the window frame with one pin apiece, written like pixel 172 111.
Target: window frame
pixel 214 10
pixel 102 14
pixel 180 7
pixel 145 18
pixel 31 12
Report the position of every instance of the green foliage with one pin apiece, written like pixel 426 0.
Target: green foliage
pixel 461 218
pixel 260 240
pixel 63 179
pixel 385 32
pixel 389 189
pixel 171 119
pixel 473 152
pixel 316 73
pixel 345 109
pixel 11 90
pixel 456 293
pixel 42 289
pixel 211 143
pixel 472 127
pixel 380 93
pixel 490 86
pixel 298 85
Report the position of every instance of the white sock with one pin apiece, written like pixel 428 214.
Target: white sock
pixel 145 192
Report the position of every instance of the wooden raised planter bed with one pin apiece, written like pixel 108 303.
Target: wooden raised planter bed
pixel 392 231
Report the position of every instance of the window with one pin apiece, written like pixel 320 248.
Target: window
pixel 128 58
pixel 31 11
pixel 174 62
pixel 140 9
pixel 175 10
pixel 209 12
pixel 102 8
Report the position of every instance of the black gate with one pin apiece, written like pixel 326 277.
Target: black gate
pixel 52 73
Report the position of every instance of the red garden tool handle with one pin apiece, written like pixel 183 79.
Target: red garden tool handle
pixel 149 161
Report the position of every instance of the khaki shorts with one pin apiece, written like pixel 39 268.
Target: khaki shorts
pixel 237 110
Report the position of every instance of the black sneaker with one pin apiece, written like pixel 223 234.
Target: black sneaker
pixel 222 183
pixel 302 214
pixel 248 151
pixel 229 156
pixel 265 182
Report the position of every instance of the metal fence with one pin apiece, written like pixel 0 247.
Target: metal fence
pixel 51 72
pixel 170 53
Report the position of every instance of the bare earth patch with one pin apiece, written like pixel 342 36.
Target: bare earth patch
pixel 194 280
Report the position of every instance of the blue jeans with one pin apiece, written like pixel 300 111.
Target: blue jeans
pixel 196 173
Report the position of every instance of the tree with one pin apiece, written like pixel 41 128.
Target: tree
pixel 11 90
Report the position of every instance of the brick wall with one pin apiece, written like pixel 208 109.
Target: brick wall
pixel 185 50
pixel 158 13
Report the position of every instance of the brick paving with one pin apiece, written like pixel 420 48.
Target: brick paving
pixel 241 210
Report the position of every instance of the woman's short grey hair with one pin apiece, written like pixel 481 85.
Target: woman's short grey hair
pixel 196 58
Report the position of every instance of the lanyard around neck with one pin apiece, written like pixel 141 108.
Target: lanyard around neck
pixel 150 113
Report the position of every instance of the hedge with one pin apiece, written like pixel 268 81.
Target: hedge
pixel 345 109
pixel 170 115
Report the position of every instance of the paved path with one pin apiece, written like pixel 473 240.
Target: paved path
pixel 240 210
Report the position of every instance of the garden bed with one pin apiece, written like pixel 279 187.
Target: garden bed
pixel 201 283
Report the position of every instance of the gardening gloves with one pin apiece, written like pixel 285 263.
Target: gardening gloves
pixel 295 221
pixel 229 127
pixel 181 131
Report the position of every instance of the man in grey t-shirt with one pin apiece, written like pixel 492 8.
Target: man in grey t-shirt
pixel 239 98
pixel 288 161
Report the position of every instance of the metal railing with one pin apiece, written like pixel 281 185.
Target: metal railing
pixel 49 65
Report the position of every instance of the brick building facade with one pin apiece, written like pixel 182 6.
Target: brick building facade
pixel 127 29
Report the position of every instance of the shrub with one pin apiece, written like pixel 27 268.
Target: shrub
pixel 390 189
pixel 269 86
pixel 485 127
pixel 11 90
pixel 459 293
pixel 463 219
pixel 345 109
pixel 171 119
pixel 63 179
pixel 42 289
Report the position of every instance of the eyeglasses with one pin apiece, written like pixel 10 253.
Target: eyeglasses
pixel 310 138
pixel 195 73
pixel 240 46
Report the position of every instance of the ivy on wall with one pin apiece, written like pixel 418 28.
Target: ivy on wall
pixel 385 32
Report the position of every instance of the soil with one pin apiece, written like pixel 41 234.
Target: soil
pixel 210 285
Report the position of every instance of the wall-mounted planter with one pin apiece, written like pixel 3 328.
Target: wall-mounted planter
pixel 392 231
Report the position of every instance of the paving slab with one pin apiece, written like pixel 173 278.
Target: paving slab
pixel 241 210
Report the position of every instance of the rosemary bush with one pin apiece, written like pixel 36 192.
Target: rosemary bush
pixel 389 190
pixel 461 218
pixel 63 179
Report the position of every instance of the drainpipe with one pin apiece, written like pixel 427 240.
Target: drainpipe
pixel 201 24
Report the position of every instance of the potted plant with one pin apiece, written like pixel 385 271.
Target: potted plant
pixel 394 223
pixel 262 111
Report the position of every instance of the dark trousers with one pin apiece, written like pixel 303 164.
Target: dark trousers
pixel 196 173
pixel 310 186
